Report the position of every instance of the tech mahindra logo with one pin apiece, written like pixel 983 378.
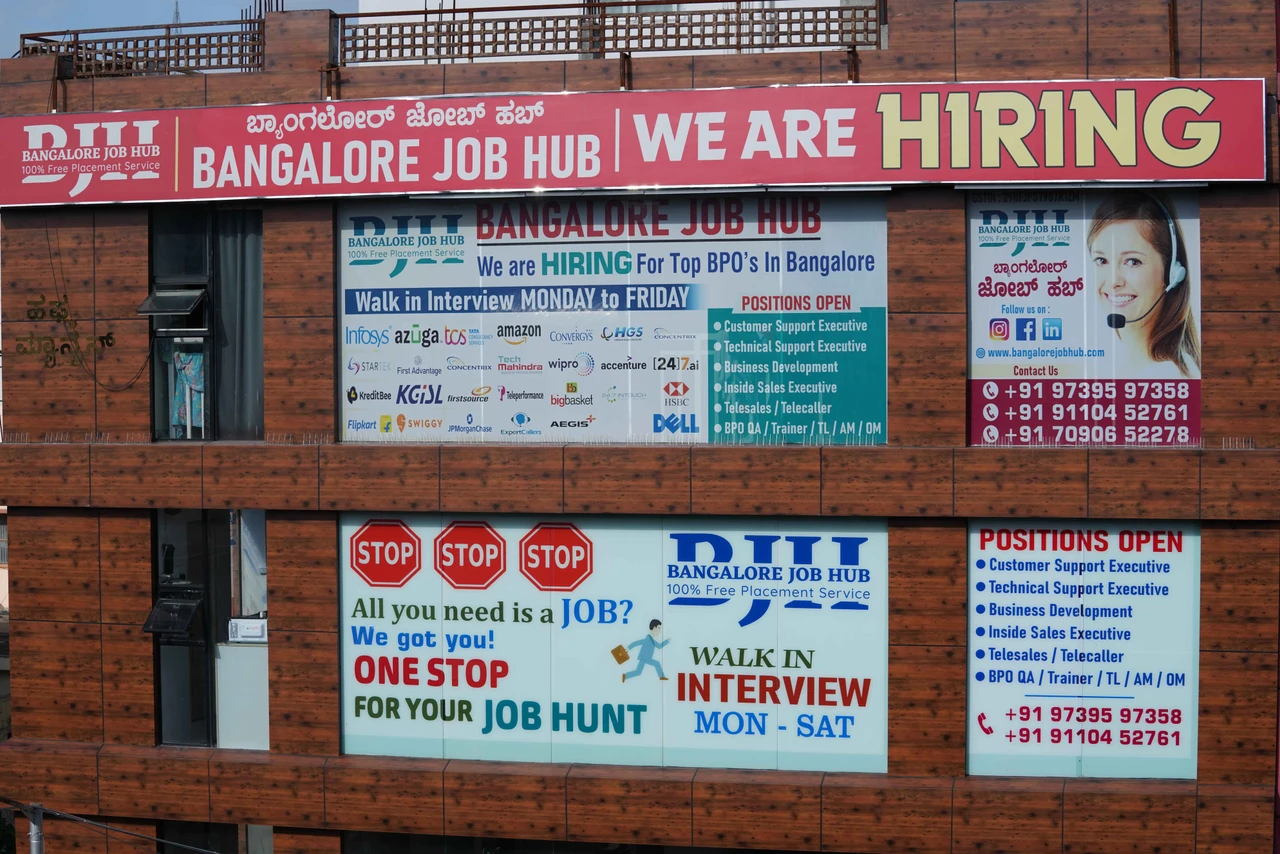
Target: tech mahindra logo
pixel 51 157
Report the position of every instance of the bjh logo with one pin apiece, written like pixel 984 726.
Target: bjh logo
pixel 1051 329
pixel 999 329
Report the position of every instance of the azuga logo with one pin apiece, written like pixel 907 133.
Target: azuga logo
pixel 418 394
pixel 675 423
pixel 622 333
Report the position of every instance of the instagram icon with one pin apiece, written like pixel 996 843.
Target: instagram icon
pixel 999 329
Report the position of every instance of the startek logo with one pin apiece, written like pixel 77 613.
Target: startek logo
pixel 136 157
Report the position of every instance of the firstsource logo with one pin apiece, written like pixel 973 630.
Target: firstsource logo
pixel 998 329
pixel 366 335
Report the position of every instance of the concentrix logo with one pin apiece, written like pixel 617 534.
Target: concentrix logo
pixel 418 394
pixel 675 423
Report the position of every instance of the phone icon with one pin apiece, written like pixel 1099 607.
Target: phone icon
pixel 982 722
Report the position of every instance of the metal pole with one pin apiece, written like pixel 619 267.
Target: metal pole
pixel 35 833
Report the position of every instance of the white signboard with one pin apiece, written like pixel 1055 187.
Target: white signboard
pixel 752 643
pixel 743 319
pixel 1084 645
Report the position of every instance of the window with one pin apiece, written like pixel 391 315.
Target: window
pixel 206 311
pixel 209 621
pixel 223 838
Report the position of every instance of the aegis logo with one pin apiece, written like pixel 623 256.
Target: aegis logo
pixel 418 394
pixel 365 335
pixel 140 149
pixel 579 424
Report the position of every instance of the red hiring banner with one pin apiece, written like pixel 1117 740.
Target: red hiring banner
pixel 826 135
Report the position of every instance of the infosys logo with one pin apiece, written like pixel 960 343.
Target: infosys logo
pixel 367 336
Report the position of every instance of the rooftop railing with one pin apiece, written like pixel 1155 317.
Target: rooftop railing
pixel 592 29
pixel 602 28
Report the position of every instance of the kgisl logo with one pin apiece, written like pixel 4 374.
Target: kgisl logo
pixel 377 394
pixel 367 336
pixel 998 329
pixel 622 333
pixel 675 423
pixel 418 394
pixel 139 157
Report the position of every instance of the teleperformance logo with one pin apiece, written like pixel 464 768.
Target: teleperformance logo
pixel 506 394
pixel 584 364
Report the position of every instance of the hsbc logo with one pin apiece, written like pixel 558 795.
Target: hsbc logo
pixel 418 394
pixel 131 155
pixel 675 389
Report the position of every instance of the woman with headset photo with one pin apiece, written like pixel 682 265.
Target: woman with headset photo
pixel 1138 264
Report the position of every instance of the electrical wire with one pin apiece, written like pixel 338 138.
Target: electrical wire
pixel 107 827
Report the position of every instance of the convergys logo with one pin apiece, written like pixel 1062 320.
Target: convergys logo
pixel 584 364
pixel 136 158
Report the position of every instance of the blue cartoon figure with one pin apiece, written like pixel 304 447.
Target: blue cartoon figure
pixel 648 645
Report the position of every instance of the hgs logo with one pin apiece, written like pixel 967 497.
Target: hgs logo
pixel 142 157
pixel 675 423
pixel 622 333
pixel 418 394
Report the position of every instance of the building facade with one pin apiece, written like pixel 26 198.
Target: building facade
pixel 241 529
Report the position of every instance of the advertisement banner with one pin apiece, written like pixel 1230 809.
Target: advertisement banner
pixel 1084 313
pixel 821 135
pixel 713 642
pixel 1084 646
pixel 724 319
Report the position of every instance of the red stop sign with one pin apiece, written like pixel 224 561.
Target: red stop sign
pixel 470 555
pixel 556 556
pixel 386 553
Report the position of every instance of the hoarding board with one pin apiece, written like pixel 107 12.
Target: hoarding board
pixel 757 319
pixel 822 135
pixel 1084 318
pixel 713 642
pixel 1084 649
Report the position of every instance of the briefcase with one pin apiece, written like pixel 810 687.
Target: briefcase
pixel 620 654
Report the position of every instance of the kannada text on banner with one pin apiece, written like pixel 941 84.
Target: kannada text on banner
pixel 717 642
pixel 1084 313
pixel 821 135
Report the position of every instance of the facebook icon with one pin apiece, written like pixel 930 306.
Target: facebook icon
pixel 1051 329
pixel 1026 328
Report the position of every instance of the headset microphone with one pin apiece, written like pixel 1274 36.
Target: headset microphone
pixel 1177 273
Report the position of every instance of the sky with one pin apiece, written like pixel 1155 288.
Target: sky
pixel 38 16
